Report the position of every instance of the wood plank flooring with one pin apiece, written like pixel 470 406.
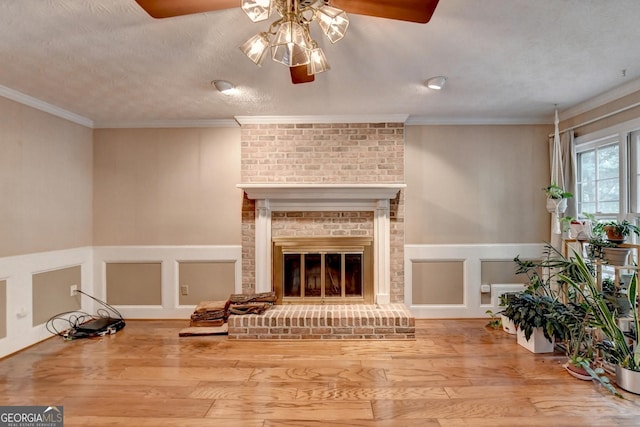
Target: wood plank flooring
pixel 457 373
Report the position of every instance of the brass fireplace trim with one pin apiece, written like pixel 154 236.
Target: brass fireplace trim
pixel 280 245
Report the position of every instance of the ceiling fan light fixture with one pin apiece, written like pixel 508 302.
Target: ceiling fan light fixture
pixel 256 47
pixel 436 83
pixel 257 10
pixel 223 86
pixel 289 37
pixel 317 62
pixel 333 21
pixel 290 45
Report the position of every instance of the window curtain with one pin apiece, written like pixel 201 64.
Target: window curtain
pixel 567 147
pixel 567 179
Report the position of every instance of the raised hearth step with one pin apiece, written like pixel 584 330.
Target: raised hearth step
pixel 349 321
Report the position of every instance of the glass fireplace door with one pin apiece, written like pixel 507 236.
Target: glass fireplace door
pixel 332 270
pixel 322 275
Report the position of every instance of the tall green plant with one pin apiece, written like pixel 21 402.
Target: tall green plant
pixel 585 285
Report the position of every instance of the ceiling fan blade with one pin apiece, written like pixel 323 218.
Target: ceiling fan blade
pixel 299 75
pixel 419 11
pixel 169 8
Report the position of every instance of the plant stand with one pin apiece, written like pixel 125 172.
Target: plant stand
pixel 537 343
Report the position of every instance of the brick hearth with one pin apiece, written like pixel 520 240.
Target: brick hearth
pixel 391 321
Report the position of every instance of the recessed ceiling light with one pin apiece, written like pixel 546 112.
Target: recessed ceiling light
pixel 436 83
pixel 223 86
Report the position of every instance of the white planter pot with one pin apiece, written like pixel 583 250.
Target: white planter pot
pixel 508 326
pixel 538 343
pixel 616 256
pixel 556 205
pixel 628 380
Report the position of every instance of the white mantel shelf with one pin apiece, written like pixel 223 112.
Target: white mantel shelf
pixel 321 191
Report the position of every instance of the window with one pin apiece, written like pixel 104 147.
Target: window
pixel 598 167
pixel 634 166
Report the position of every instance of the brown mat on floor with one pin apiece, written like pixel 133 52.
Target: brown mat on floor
pixel 204 330
pixel 207 323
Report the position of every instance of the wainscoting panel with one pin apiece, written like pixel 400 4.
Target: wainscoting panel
pixel 52 293
pixel 169 258
pixel 471 257
pixel 18 272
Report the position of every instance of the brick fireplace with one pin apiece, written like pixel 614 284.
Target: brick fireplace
pixel 339 186
pixel 321 181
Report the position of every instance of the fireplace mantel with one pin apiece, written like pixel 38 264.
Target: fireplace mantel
pixel 321 191
pixel 324 197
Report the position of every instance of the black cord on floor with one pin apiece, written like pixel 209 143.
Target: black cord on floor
pixel 73 321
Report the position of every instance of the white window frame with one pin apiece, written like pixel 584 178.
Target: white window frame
pixel 594 145
pixel 621 132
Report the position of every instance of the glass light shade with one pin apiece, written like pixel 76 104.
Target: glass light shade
pixel 317 62
pixel 290 46
pixel 333 21
pixel 257 10
pixel 256 47
pixel 436 83
pixel 224 86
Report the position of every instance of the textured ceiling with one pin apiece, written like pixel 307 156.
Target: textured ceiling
pixel 507 61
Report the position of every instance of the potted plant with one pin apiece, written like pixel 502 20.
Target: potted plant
pixel 556 198
pixel 606 238
pixel 579 229
pixel 507 324
pixel 494 320
pixel 574 323
pixel 531 314
pixel 618 343
pixel 617 232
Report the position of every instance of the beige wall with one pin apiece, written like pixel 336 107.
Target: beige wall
pixel 167 186
pixel 134 283
pixel 206 281
pixel 499 272
pixel 45 181
pixel 604 110
pixel 476 184
pixel 438 282
pixel 51 294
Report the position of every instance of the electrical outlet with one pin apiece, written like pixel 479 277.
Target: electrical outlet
pixel 184 290
pixel 73 290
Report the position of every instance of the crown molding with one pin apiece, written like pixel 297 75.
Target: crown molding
pixel 168 124
pixel 30 101
pixel 602 99
pixel 426 120
pixel 273 120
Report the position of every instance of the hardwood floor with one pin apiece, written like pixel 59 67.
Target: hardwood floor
pixel 456 373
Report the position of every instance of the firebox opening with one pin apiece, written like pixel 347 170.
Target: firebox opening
pixel 323 270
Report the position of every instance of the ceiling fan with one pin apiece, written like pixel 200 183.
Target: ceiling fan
pixel 297 50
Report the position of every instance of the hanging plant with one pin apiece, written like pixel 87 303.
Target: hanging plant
pixel 554 191
pixel 556 200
